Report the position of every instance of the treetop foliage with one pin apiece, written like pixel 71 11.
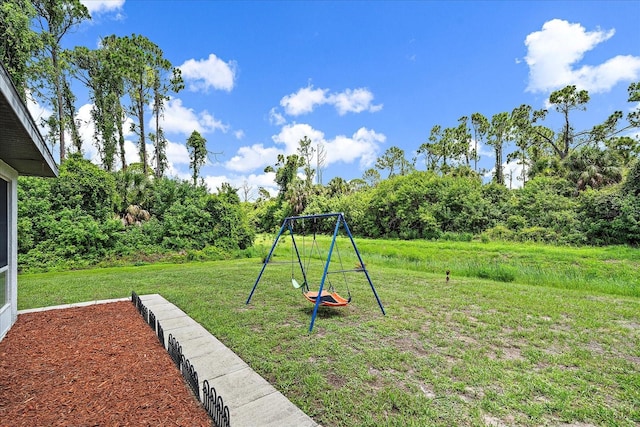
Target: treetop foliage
pixel 577 186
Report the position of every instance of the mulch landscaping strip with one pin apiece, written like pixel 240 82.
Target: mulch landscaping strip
pixel 89 366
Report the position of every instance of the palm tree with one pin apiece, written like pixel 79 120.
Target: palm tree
pixel 590 167
pixel 337 186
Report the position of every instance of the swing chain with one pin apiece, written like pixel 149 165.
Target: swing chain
pixel 307 256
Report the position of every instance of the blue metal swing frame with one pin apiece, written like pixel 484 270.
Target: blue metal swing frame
pixel 287 224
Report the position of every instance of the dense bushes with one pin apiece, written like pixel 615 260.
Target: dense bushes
pixel 216 220
pixel 420 205
pixel 85 187
pixel 76 220
pixel 74 239
pixel 424 205
pixel 632 183
pixel 610 217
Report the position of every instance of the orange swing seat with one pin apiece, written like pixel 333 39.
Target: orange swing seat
pixel 328 299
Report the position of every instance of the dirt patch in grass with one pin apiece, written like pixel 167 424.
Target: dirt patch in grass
pixel 633 359
pixel 409 343
pixel 96 365
pixel 630 325
pixel 491 421
pixel 512 353
pixel 335 380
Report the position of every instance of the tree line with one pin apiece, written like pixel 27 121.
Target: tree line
pixel 124 76
pixel 89 216
pixel 569 204
pixel 537 149
pixel 578 186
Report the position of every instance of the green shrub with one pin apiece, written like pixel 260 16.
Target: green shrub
pixel 632 181
pixel 499 232
pixel 430 226
pixel 85 187
pixel 516 222
pixel 546 202
pixel 146 238
pixel 537 234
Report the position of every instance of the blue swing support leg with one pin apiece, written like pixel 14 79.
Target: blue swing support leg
pixel 266 261
pixel 324 275
pixel 364 269
pixel 286 224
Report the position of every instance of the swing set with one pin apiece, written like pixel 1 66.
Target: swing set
pixel 326 295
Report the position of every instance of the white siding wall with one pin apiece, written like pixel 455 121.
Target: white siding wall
pixel 9 312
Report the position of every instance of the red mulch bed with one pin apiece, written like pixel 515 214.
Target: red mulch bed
pixel 88 366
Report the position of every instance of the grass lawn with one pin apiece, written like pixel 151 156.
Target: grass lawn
pixel 562 347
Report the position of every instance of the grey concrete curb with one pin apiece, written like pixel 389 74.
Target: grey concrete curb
pixel 252 401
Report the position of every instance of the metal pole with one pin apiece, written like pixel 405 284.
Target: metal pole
pixel 324 274
pixel 366 273
pixel 266 261
pixel 315 216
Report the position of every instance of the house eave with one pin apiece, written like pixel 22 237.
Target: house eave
pixel 21 144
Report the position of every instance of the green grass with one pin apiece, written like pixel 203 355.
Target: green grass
pixel 611 270
pixel 469 351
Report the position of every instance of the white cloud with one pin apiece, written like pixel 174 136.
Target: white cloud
pixel 362 145
pixel 177 153
pixel 275 118
pixel 239 134
pixel 306 99
pixel 213 72
pixel 554 52
pixel 604 76
pixel 290 136
pixel 303 101
pixel 513 174
pixel 253 181
pixel 102 6
pixel 173 172
pixel 39 113
pixel 86 129
pixel 354 101
pixel 265 180
pixel 252 158
pixel 180 119
pixel 131 154
pixel 210 123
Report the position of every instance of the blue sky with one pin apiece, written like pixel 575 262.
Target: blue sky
pixel 360 77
